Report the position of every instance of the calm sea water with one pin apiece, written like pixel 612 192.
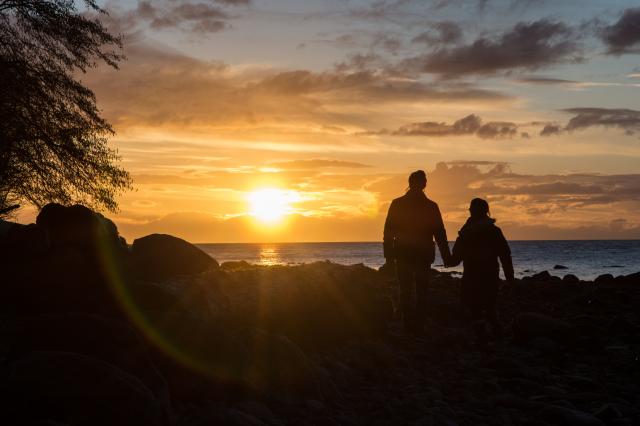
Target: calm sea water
pixel 586 259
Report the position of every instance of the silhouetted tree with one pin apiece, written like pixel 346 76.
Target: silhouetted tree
pixel 53 142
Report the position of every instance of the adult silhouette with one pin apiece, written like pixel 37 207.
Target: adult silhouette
pixel 479 245
pixel 412 224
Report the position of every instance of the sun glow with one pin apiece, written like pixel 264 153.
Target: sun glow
pixel 270 205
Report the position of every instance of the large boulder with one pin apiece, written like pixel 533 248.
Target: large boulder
pixel 79 226
pixel 158 257
pixel 74 389
pixel 71 260
pixel 91 335
pixel 529 326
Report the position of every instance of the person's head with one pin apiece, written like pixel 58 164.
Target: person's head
pixel 417 180
pixel 479 208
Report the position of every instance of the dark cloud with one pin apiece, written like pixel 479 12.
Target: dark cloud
pixel 197 17
pixel 158 86
pixel 624 35
pixel 440 33
pixel 625 119
pixel 546 81
pixel 193 17
pixel 550 130
pixel 526 46
pixel 366 86
pixel 378 10
pixel 469 125
pixel 465 126
pixel 362 62
pixel 317 164
pixel 387 42
pixel 497 129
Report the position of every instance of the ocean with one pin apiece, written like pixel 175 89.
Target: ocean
pixel 586 259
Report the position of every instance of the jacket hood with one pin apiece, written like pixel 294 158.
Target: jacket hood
pixel 477 225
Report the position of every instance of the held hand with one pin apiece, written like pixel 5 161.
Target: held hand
pixel 507 286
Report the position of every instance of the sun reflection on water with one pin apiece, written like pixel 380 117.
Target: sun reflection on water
pixel 269 256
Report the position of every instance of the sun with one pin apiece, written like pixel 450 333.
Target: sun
pixel 271 205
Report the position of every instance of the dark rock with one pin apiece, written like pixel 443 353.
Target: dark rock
pixel 568 417
pixel 275 367
pixel 158 257
pixel 388 269
pixel 69 261
pixel 545 345
pixel 319 305
pixel 74 389
pixel 608 413
pixel 25 241
pixel 78 226
pixel 257 409
pixel 5 227
pixel 95 337
pixel 236 265
pixel 604 279
pixel 541 276
pixel 632 278
pixel 560 267
pixel 528 326
pixel 570 278
pixel 513 401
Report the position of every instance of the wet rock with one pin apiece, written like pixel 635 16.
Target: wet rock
pixel 158 257
pixel 74 389
pixel 531 325
pixel 569 417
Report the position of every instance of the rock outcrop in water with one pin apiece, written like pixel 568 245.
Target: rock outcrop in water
pixel 95 333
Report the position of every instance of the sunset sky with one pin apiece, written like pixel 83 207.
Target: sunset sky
pixel 532 104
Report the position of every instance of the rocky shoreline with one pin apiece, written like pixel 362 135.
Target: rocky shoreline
pixel 94 331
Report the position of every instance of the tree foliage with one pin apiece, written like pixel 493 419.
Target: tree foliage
pixel 53 141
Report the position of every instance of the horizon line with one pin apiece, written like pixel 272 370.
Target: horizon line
pixel 380 241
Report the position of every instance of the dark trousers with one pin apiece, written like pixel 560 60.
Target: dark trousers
pixel 414 281
pixel 479 295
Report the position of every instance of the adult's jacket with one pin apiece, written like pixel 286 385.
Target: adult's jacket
pixel 412 224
